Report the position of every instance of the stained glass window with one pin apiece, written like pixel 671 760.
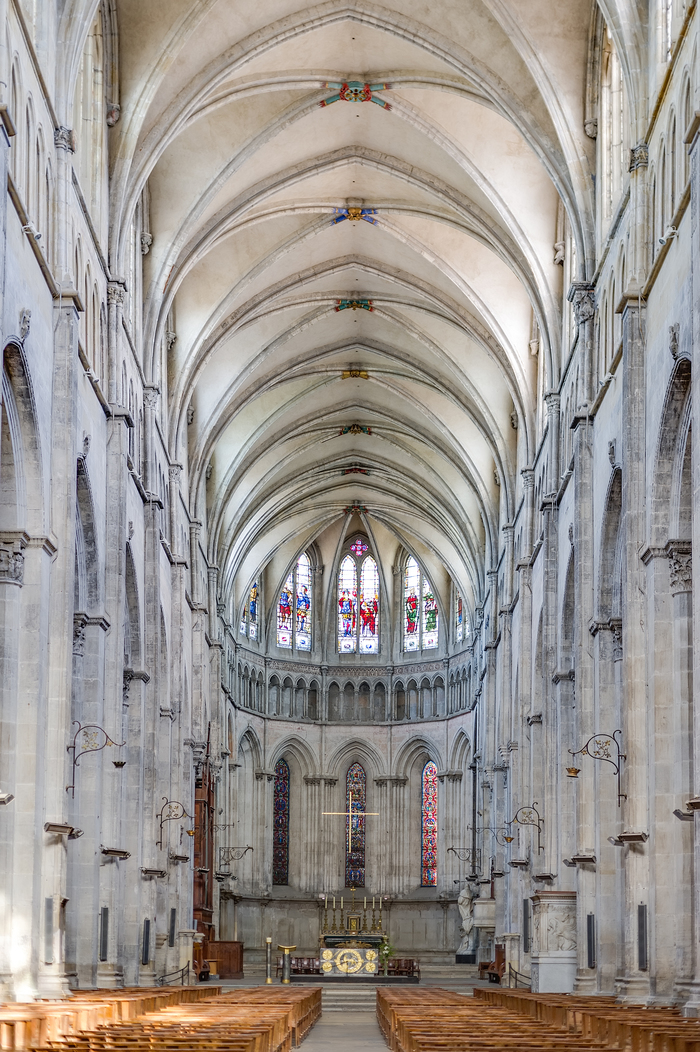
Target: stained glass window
pixel 280 835
pixel 458 617
pixel 421 619
pixel 284 613
pixel 347 606
pixel 429 799
pixel 430 617
pixel 303 606
pixel 411 602
pixel 358 547
pixel 253 611
pixel 294 607
pixel 355 806
pixel 369 607
pixel 244 621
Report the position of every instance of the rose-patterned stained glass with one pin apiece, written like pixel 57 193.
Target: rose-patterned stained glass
pixel 253 611
pixel 429 801
pixel 284 613
pixel 369 607
pixel 459 616
pixel 411 593
pixel 359 547
pixel 303 603
pixel 347 606
pixel 430 617
pixel 280 834
pixel 355 802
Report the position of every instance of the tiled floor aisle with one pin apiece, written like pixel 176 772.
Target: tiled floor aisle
pixel 345 1032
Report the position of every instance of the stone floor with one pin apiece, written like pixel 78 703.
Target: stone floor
pixel 341 1032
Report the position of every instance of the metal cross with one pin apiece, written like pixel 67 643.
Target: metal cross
pixel 349 815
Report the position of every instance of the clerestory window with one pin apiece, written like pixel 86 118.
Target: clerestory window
pixel 295 607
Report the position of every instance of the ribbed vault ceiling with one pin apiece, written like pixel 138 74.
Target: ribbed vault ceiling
pixel 484 137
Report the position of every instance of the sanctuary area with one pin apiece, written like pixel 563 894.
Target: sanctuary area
pixel 347 500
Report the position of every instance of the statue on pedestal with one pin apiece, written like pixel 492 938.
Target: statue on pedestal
pixel 465 904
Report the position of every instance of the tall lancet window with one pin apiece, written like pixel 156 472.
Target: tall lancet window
pixel 294 607
pixel 358 608
pixel 249 617
pixel 303 603
pixel 369 607
pixel 429 801
pixel 459 617
pixel 421 617
pixel 280 833
pixel 355 806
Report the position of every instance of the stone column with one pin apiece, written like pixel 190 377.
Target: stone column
pixel 581 294
pixel 174 474
pixel 633 984
pixel 693 139
pixel 116 293
pixel 64 428
pixel 12 970
pixel 151 394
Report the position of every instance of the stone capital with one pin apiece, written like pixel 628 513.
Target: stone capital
pixel 174 473
pixel 552 400
pixel 680 566
pixel 582 296
pixel 151 393
pixel 639 156
pixel 116 293
pixel 64 139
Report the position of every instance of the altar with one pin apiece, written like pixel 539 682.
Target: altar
pixel 351 946
pixel 349 960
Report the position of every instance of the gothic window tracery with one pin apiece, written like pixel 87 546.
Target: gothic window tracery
pixel 429 804
pixel 280 842
pixel 358 609
pixel 355 806
pixel 295 607
pixel 421 619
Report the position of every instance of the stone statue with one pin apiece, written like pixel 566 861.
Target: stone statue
pixel 465 904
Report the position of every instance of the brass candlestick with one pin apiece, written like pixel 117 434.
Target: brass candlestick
pixel 374 922
pixel 334 930
pixel 364 919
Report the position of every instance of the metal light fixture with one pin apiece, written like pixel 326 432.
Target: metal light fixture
pixel 6 798
pixel 530 816
pixel 602 747
pixel 91 743
pixel 227 855
pixel 115 852
pixel 632 837
pixel 171 811
pixel 60 828
pixel 146 872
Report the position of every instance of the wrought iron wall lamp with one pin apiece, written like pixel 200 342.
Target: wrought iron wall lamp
pixel 91 743
pixel 602 747
pixel 171 811
pixel 530 816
